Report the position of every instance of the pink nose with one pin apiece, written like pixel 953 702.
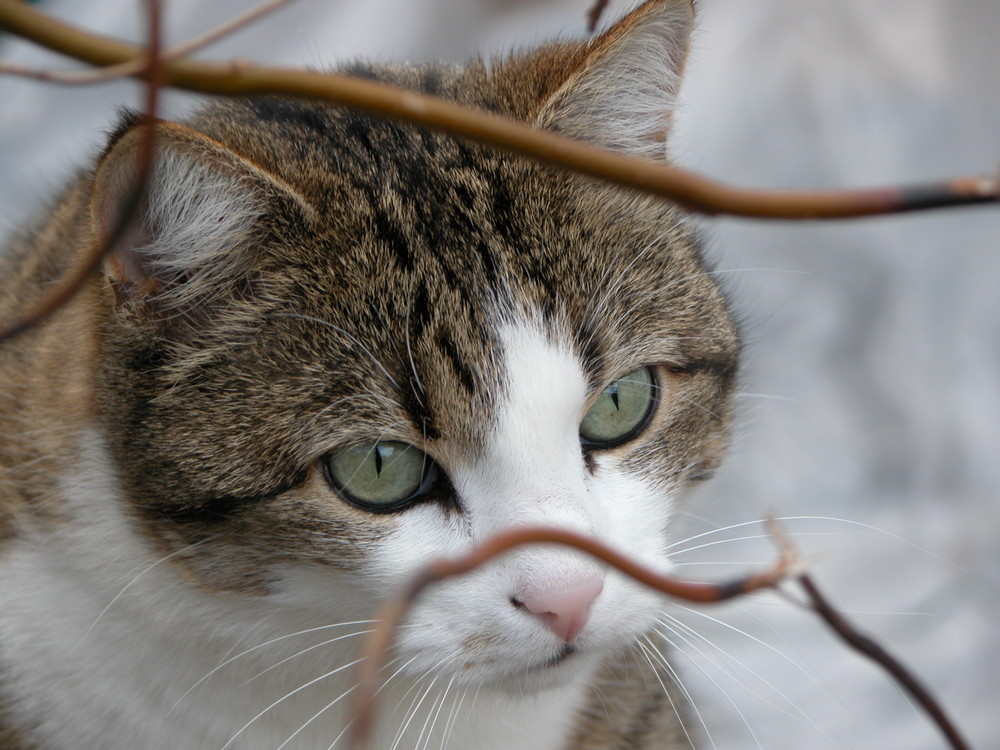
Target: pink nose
pixel 564 611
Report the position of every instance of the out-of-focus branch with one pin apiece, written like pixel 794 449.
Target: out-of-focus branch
pixel 691 191
pixel 138 65
pixel 595 13
pixel 866 645
pixel 72 283
pixel 391 613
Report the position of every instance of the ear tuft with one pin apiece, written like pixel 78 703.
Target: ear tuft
pixel 127 119
pixel 622 95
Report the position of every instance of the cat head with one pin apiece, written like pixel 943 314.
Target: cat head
pixel 336 347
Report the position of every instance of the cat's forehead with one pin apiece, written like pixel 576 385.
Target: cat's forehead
pixel 427 251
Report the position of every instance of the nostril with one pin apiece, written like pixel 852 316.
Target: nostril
pixel 565 610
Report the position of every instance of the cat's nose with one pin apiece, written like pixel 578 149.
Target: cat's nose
pixel 563 610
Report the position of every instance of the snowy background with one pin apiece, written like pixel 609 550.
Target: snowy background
pixel 870 406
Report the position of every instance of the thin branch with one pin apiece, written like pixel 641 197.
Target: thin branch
pixel 137 65
pixel 224 29
pixel 595 13
pixel 391 613
pixel 867 646
pixel 72 283
pixel 691 191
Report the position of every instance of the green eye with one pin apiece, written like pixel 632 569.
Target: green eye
pixel 381 476
pixel 620 411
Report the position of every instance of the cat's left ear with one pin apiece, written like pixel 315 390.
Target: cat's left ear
pixel 622 95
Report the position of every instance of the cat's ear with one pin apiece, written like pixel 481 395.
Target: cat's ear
pixel 621 96
pixel 195 231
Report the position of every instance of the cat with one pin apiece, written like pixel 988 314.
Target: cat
pixel 332 348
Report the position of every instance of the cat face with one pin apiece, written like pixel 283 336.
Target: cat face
pixel 339 347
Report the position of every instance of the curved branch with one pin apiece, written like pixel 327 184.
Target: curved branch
pixel 691 191
pixel 137 65
pixel 390 614
pixel 870 648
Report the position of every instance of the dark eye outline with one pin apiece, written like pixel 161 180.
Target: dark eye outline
pixel 429 482
pixel 641 425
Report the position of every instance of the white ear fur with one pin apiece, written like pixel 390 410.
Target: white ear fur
pixel 196 221
pixel 623 94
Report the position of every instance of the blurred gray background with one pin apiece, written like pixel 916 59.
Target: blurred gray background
pixel 870 402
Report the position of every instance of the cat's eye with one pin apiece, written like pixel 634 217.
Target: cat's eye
pixel 383 476
pixel 621 411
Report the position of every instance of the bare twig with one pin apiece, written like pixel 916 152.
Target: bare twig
pixel 137 65
pixel 691 191
pixel 390 614
pixel 595 13
pixel 869 647
pixel 72 283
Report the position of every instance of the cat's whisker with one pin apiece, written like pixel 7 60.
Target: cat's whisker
pixel 304 651
pixel 321 415
pixel 811 675
pixel 330 705
pixel 395 674
pixel 252 649
pixel 817 675
pixel 654 656
pixel 347 726
pixel 453 714
pixel 725 271
pixel 827 519
pixel 419 390
pixel 288 695
pixel 416 682
pixel 711 679
pixel 350 722
pixel 678 394
pixel 718 563
pixel 751 537
pixel 768 396
pixel 757 522
pixel 411 712
pixel 676 626
pixel 432 716
pixel 132 582
pixel 316 715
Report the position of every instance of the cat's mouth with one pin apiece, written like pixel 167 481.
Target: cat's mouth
pixel 564 653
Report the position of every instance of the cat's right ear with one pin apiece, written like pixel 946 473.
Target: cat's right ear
pixel 196 228
pixel 621 94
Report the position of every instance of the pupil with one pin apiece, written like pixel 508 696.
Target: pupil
pixel 614 395
pixel 378 460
